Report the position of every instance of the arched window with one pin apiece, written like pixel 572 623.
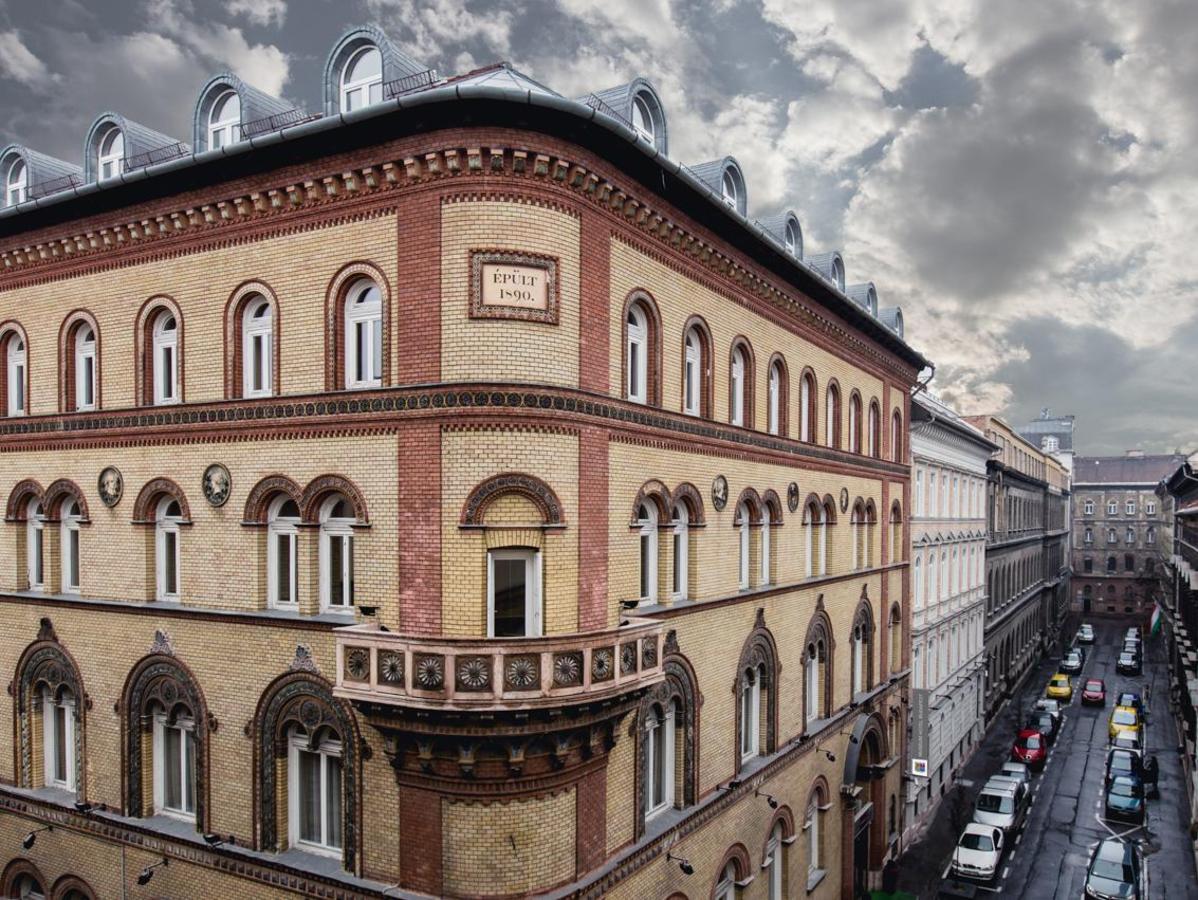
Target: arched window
pixel 817 676
pixel 638 354
pixel 660 737
pixel 812 825
pixel 337 518
pixel 696 372
pixel 314 790
pixel 166 548
pixel 815 527
pixel 26 886
pixel 776 401
pixel 16 375
pixel 257 350
pixel 71 517
pixel 647 525
pixel 898 548
pixel 58 739
pixel 736 387
pixel 642 117
pixel 35 545
pixel 728 189
pixel 917 582
pixel 794 239
pixel 282 555
pixel 166 359
pixel 807 408
pixel 725 888
pixel 680 583
pixel 874 437
pixel 110 156
pixel 894 639
pixel 774 864
pixel 857 530
pixel 1150 535
pixel 744 539
pixel 854 423
pixel 896 437
pixel 832 417
pixel 85 367
pixel 362 79
pixel 862 673
pixel 750 711
pixel 1089 536
pixel 224 122
pixel 16 183
pixel 174 751
pixel 364 335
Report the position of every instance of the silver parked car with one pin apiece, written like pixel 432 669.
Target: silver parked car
pixel 1003 804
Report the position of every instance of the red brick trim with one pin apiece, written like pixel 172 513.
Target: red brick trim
pixel 68 883
pixel 688 495
pixel 144 344
pixel 234 333
pixel 772 504
pixel 57 493
pixel 655 492
pixel 420 849
pixel 145 508
pixel 418 286
pixel 533 489
pixel 784 816
pixel 590 821
pixel 593 539
pixel 68 334
pixel 262 494
pixel 418 503
pixel 750 498
pixel 321 487
pixel 334 348
pixel 17 868
pixel 18 499
pixel 737 854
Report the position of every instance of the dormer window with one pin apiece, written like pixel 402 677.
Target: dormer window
pixel 16 183
pixel 728 189
pixel 838 273
pixel 362 79
pixel 224 120
pixel 794 241
pixel 642 117
pixel 110 157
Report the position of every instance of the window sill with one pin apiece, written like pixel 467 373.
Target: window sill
pixel 814 879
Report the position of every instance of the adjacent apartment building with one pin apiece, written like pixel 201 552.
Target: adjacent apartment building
pixel 444 493
pixel 1027 556
pixel 1117 550
pixel 948 599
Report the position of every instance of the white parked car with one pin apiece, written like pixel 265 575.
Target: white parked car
pixel 1085 634
pixel 1051 706
pixel 978 852
pixel 1016 770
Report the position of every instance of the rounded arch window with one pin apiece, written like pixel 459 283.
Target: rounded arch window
pixel 838 273
pixel 282 549
pixel 638 353
pixel 738 388
pixel 337 518
pixel 257 347
pixel 647 521
pixel 692 375
pixel 775 403
pixel 167 551
pixel 642 116
pixel 794 239
pixel 16 183
pixel 27 887
pixel 16 372
pixel 110 156
pixel 166 358
pixel 85 367
pixel 364 335
pixel 362 79
pixel 35 545
pixel 225 120
pixel 729 189
pixel 315 790
pixel 71 517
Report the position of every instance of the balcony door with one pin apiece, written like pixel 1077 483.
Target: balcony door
pixel 513 593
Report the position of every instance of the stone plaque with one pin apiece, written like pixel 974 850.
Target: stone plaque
pixel 719 492
pixel 509 285
pixel 110 485
pixel 792 496
pixel 216 484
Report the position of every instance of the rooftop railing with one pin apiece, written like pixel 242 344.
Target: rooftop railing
pixel 156 155
pixel 410 83
pixel 277 122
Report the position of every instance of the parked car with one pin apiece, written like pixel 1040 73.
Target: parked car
pixel 1001 804
pixel 1124 762
pixel 1072 663
pixel 1134 632
pixel 1050 706
pixel 1125 799
pixel 1030 748
pixel 1133 648
pixel 1114 871
pixel 1018 770
pixel 978 852
pixel 1094 692
pixel 1085 634
pixel 1129 699
pixel 1123 718
pixel 1045 723
pixel 1060 687
pixel 1128 664
pixel 1128 740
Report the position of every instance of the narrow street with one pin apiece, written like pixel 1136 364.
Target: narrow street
pixel 1048 858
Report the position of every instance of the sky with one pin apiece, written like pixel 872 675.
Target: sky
pixel 1021 176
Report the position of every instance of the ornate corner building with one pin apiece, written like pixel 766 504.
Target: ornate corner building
pixel 446 495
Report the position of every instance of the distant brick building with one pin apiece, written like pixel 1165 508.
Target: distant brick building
pixel 1117 521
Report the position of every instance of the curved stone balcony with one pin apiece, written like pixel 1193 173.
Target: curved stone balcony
pixel 459 674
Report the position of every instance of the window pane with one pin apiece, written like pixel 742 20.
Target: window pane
pixel 634 369
pixel 333 801
pixel 189 771
pixel 171 579
pixel 89 381
pixel 349 569
pixel 60 745
pixel 510 597
pixel 309 796
pixel 376 356
pixel 336 571
pixel 376 92
pixel 284 544
pixel 256 361
pixel 360 351
pixel 38 556
pixel 172 782
pixel 353 99
pixel 679 550
pixel 73 550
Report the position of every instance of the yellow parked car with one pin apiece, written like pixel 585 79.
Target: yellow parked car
pixel 1060 687
pixel 1124 718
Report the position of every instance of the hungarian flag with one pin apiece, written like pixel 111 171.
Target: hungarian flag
pixel 1155 627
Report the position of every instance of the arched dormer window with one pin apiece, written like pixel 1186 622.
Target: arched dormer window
pixel 794 239
pixel 723 177
pixel 729 189
pixel 643 119
pixel 224 121
pixel 110 153
pixel 807 408
pixel 16 182
pixel 257 348
pixel 832 416
pixel 166 358
pixel 363 335
pixel 838 273
pixel 362 79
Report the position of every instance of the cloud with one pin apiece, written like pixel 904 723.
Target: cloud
pixel 437 32
pixel 19 63
pixel 259 12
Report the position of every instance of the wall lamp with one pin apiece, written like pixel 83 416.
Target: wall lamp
pixel 31 838
pixel 85 808
pixel 768 799
pixel 148 872
pixel 683 864
pixel 215 840
pixel 630 604
pixel 828 753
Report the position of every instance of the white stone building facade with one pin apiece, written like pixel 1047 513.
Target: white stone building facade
pixel 948 590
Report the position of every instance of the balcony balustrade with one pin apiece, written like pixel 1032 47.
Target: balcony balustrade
pixel 481 674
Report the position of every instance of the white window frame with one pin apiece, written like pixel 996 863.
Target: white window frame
pixel 725 889
pixel 53 739
pixel 765 547
pixel 774 399
pixel 1112 508
pixel 280 528
pixel 166 358
pixel 728 188
pixel 642 117
pixel 917 582
pixel 1130 507
pixel 854 442
pixel 637 362
pixel 681 554
pixel 327 749
pixel 736 378
pixel 744 544
pixel 773 863
pixel 1150 508
pixel 16 182
pixel 363 311
pixel 831 401
pixel 533 601
pixel 659 739
pixel 35 545
pixel 793 242
pixel 186 727
pixel 85 368
pixel 814 847
pixel 858 660
pixel 811 685
pixel 692 375
pixel 750 713
pixel 805 410
pixel 336 529
pixel 110 154
pixel 17 362
pixel 223 131
pixel 649 552
pixel 1088 508
pixel 72 569
pixel 164 527
pixel 366 84
pixel 257 348
pixel 874 424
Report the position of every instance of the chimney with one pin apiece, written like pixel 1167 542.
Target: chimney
pixel 1135 454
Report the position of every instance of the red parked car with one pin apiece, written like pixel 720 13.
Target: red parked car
pixel 1030 748
pixel 1094 692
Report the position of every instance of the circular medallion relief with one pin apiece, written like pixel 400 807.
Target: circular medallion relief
pixel 217 484
pixel 792 496
pixel 719 492
pixel 111 486
pixel 844 499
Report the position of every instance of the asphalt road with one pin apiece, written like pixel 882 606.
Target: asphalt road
pixel 1048 858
